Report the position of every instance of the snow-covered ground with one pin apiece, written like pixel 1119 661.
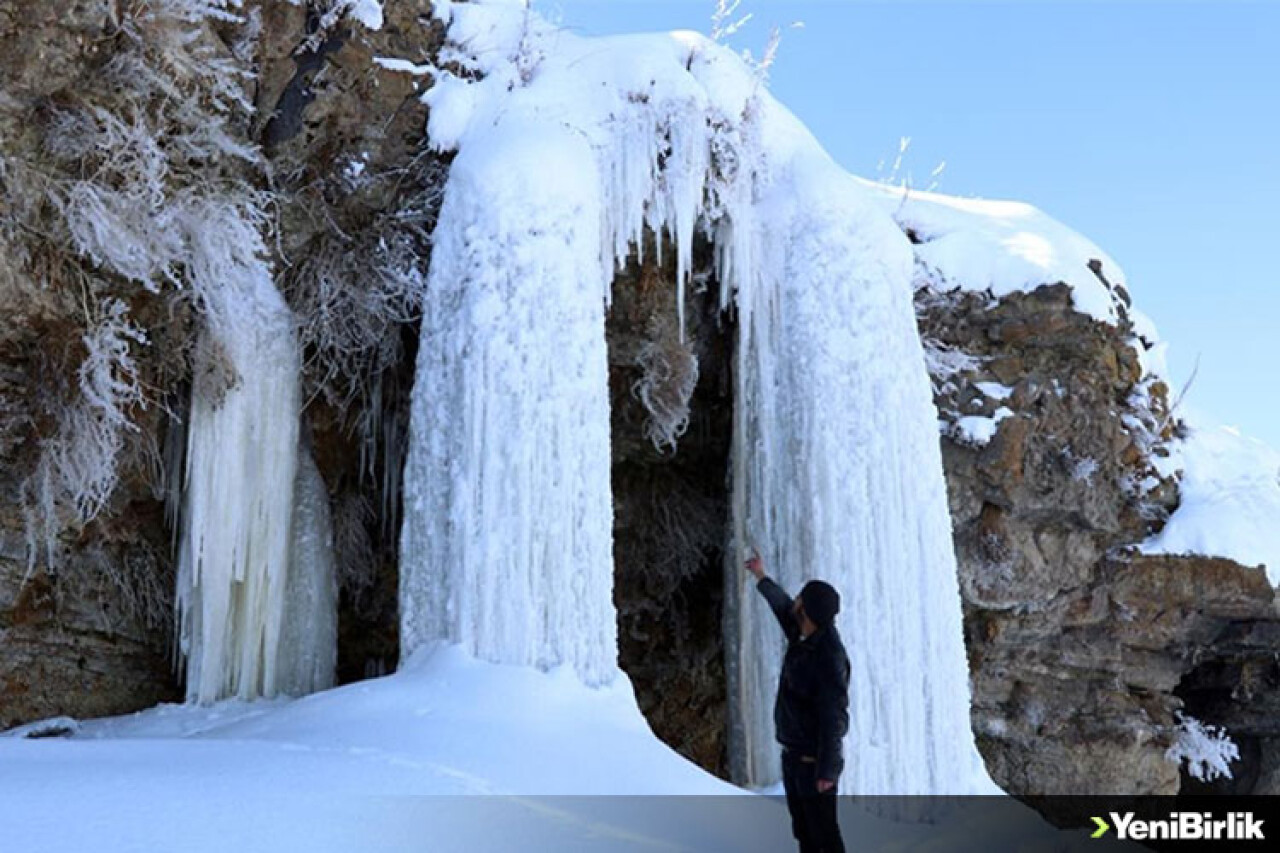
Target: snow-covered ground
pixel 378 766
pixel 361 767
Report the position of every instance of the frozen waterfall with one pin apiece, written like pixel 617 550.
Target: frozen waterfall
pixel 248 625
pixel 838 475
pixel 568 150
pixel 508 525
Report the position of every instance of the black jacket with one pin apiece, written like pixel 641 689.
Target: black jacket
pixel 811 714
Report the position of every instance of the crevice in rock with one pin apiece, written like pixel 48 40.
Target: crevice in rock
pixel 286 116
pixel 1237 693
pixel 671 506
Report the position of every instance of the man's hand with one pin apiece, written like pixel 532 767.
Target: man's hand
pixel 825 785
pixel 756 566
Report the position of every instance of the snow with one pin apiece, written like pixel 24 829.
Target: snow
pixel 367 12
pixel 568 151
pixel 432 758
pixel 1229 499
pixel 978 430
pixel 994 390
pixel 362 767
pixel 1004 247
pixel 403 66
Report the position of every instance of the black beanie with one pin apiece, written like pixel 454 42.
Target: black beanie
pixel 821 602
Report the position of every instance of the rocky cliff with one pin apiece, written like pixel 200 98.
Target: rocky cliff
pixel 1082 651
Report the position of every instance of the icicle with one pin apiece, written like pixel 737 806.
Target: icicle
pixel 308 652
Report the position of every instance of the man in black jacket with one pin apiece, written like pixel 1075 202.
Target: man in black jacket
pixel 811 714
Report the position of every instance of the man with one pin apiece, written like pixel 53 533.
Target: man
pixel 811 714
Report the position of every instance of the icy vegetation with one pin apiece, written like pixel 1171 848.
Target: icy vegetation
pixel 144 200
pixel 1207 750
pixel 570 151
pixel 77 466
pixel 114 207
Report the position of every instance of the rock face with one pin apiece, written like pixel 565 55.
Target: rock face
pixel 1083 652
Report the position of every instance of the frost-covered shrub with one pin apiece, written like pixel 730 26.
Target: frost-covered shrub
pixel 351 299
pixel 1206 749
pixel 77 466
pixel 137 188
pixel 669 374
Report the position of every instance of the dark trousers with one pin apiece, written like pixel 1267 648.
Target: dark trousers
pixel 813 815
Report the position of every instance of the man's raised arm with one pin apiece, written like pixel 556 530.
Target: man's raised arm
pixel 779 602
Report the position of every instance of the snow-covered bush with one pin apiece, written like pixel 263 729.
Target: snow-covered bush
pixel 1206 749
pixel 669 373
pixel 112 214
pixel 77 466
pixel 352 297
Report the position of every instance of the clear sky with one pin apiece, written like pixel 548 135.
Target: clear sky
pixel 1151 127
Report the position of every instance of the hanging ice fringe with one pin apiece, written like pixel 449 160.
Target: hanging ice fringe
pixel 568 150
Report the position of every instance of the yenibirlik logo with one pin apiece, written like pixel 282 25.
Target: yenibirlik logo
pixel 1183 826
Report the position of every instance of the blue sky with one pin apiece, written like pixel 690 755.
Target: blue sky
pixel 1151 127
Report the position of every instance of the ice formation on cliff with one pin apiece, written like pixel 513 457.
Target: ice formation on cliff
pixel 569 149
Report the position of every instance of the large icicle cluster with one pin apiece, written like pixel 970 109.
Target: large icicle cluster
pixel 507 532
pixel 568 150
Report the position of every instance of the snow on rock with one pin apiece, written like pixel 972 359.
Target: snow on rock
pixel 1003 247
pixel 49 728
pixel 1229 499
pixel 569 149
pixel 403 66
pixel 367 12
pixel 994 390
pixel 978 430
